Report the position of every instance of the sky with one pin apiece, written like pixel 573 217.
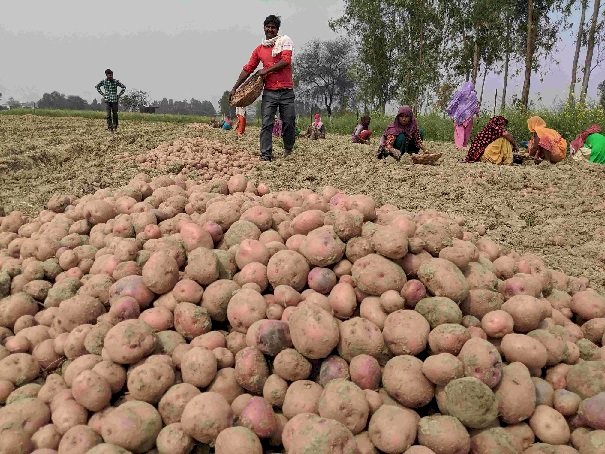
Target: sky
pixel 181 49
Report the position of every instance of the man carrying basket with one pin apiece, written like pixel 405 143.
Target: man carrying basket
pixel 275 52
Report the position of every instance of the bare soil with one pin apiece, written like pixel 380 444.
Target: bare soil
pixel 556 211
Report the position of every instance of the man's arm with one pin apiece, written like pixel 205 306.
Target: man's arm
pixel 98 87
pixel 250 66
pixel 286 60
pixel 120 84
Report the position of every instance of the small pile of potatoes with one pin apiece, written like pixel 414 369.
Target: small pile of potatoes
pixel 207 159
pixel 174 316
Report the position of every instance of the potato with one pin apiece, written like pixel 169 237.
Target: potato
pixel 302 396
pixel 175 399
pixel 495 440
pixel 439 310
pixel 472 402
pixel 161 272
pixel 47 437
pixel 550 426
pixel 365 372
pixel 393 429
pixel 442 368
pixel 524 349
pixel 587 378
pixel 360 336
pixel 591 411
pixel 403 379
pixel 288 268
pixel 198 367
pixel 481 360
pixel 205 416
pixel 497 324
pixel 516 394
pixel 19 368
pixel 588 304
pixel 481 301
pixel 345 402
pixel 225 383
pixel 251 370
pixel 173 439
pixel 68 414
pixel 274 390
pixel 526 311
pixel 291 365
pixel 448 338
pixel 238 439
pixel 91 390
pixel 374 275
pixel 216 298
pixel 406 332
pixel 114 374
pixel 76 311
pixel 79 439
pixel 244 308
pixel 443 278
pixel 443 434
pixel 191 321
pixel 566 402
pixel 314 331
pixel 357 248
pixel 258 416
pixel 144 420
pixel 149 381
pixel 390 242
pixel 325 435
pixel 129 341
pixel 134 287
pixel 27 414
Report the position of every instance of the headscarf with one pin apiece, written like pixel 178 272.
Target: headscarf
pixel 493 130
pixel 464 103
pixel 395 128
pixel 317 123
pixel 365 121
pixel 279 43
pixel 578 142
pixel 548 138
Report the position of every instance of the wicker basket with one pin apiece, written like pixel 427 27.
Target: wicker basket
pixel 425 158
pixel 247 92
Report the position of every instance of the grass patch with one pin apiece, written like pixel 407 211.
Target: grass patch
pixel 95 114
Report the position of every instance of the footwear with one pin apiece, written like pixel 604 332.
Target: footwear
pixel 266 158
pixel 287 153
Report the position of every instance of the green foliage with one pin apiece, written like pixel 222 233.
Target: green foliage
pixel 224 106
pixel 133 100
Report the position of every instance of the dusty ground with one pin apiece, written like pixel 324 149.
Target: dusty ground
pixel 555 211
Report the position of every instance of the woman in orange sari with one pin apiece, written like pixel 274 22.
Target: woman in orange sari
pixel 545 143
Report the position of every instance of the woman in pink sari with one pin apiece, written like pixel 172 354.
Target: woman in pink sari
pixel 462 108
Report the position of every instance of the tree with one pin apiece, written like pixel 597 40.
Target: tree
pixel 133 100
pixel 574 67
pixel 322 72
pixel 224 106
pixel 590 49
pixel 12 103
pixel 601 88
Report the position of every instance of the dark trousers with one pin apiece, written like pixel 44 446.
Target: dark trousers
pixel 112 111
pixel 403 144
pixel 273 100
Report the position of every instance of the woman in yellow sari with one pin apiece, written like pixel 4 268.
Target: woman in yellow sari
pixel 545 143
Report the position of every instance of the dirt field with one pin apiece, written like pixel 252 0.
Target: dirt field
pixel 554 211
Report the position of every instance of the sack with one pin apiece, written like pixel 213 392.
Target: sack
pixel 247 92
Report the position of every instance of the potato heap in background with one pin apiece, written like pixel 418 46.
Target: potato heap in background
pixel 198 157
pixel 177 316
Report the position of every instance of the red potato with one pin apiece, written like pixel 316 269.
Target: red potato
pixel 258 416
pixel 406 332
pixel 325 435
pixel 302 396
pixel 345 402
pixel 129 341
pixel 333 368
pixel 91 390
pixel 443 434
pixel 412 292
pixel 365 372
pixel 202 266
pixel 191 321
pixel 251 370
pixel 448 338
pixel 160 272
pixel 549 426
pixel 443 278
pixel 374 275
pixel 393 429
pixel 134 287
pixel 442 368
pixel 588 304
pixel 371 309
pixel 342 300
pixel 390 242
pixel 403 379
pixel 216 298
pixel 307 221
pixel 291 365
pixel 314 331
pixel 238 439
pixel 188 291
pixel 516 394
pixel 244 308
pixel 497 324
pixel 139 416
pixel 288 268
pixel 322 247
pixel 321 280
pixel 472 402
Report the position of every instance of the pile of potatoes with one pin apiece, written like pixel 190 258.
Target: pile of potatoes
pixel 205 158
pixel 177 316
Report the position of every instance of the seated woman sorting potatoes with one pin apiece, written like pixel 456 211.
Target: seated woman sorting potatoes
pixel 545 143
pixel 362 132
pixel 589 146
pixel 317 129
pixel 401 136
pixel 493 144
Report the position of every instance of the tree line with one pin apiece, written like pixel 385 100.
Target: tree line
pixel 417 51
pixel 132 100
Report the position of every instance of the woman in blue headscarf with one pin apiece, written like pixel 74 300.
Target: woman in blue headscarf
pixel 462 108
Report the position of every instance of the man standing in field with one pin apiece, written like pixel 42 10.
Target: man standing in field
pixel 111 98
pixel 275 52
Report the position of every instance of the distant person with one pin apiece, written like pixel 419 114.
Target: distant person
pixel 317 129
pixel 494 144
pixel 462 109
pixel 589 146
pixel 226 123
pixel 275 52
pixel 240 124
pixel 276 131
pixel 111 97
pixel 362 132
pixel 545 143
pixel 402 136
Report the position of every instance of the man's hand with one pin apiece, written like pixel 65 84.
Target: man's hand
pixel 263 72
pixel 232 92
